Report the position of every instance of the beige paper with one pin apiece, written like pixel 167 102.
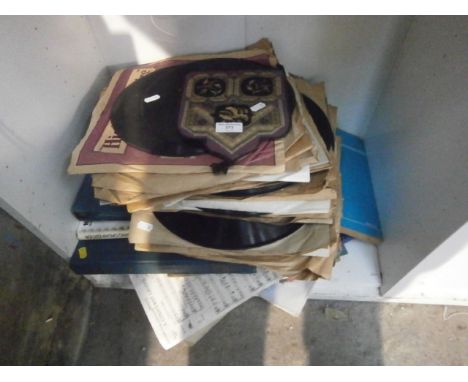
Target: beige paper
pixel 162 184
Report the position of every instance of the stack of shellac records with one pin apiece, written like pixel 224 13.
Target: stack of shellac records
pixel 223 157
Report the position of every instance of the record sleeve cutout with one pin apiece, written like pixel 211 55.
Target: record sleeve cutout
pixel 223 233
pixel 213 97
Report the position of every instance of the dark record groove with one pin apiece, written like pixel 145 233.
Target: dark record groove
pixel 223 233
pixel 321 121
pixel 270 187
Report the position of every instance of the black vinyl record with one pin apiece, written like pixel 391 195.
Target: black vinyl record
pixel 266 189
pixel 321 121
pixel 153 127
pixel 223 233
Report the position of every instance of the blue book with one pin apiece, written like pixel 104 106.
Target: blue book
pixel 87 207
pixel 118 256
pixel 360 216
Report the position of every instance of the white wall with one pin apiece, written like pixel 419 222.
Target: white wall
pixel 441 277
pixel 51 72
pixel 352 54
pixel 418 152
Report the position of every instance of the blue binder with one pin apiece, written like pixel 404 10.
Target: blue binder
pixel 360 216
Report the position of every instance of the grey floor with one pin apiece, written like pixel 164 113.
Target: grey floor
pixel 51 316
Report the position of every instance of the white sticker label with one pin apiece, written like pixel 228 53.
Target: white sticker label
pixel 148 227
pixel 257 106
pixel 152 98
pixel 229 127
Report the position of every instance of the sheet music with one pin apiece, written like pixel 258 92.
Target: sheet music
pixel 179 307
